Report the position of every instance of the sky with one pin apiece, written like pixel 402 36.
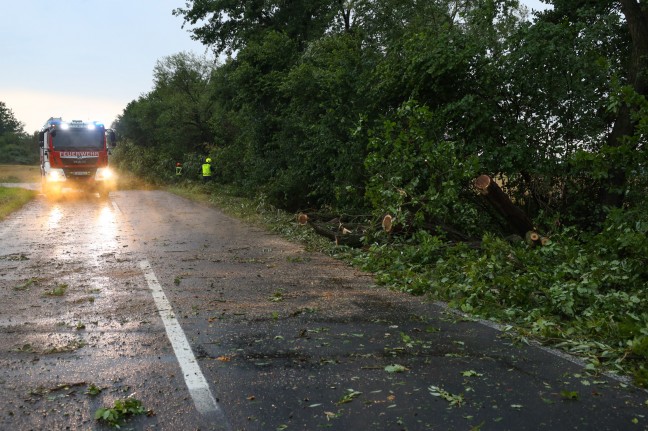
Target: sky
pixel 84 59
pixel 87 59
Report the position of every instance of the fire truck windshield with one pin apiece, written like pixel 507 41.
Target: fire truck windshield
pixel 78 139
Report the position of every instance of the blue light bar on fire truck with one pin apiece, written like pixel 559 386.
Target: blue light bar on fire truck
pixel 78 124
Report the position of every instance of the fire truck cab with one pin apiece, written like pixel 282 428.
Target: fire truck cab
pixel 74 155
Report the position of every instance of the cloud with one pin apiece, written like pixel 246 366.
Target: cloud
pixel 33 108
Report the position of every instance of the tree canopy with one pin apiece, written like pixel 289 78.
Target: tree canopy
pixel 15 145
pixel 371 104
pixel 8 121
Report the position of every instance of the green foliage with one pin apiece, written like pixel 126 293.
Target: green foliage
pixel 253 158
pixel 395 106
pixel 152 165
pixel 454 400
pixel 417 175
pixel 11 199
pixel 584 293
pixel 279 116
pixel 572 290
pixel 570 395
pixel 93 390
pixel 59 290
pixel 16 147
pixel 230 25
pixel 304 109
pixel 174 118
pixel 395 368
pixel 315 138
pixel 349 396
pixel 119 412
pixel 8 121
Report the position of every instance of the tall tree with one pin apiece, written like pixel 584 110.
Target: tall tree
pixel 8 121
pixel 15 145
pixel 228 25
pixel 182 81
pixel 635 61
pixel 176 114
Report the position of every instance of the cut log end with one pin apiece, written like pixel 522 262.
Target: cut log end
pixel 544 240
pixel 532 237
pixel 482 182
pixel 387 223
pixel 302 219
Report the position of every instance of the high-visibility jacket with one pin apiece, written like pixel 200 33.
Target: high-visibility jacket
pixel 206 170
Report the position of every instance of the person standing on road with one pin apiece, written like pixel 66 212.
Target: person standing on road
pixel 207 170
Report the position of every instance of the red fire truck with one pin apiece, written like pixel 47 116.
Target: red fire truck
pixel 74 155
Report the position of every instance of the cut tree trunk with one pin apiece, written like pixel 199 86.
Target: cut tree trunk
pixel 532 238
pixel 302 219
pixel 339 234
pixel 387 223
pixel 391 226
pixel 499 200
pixel 332 227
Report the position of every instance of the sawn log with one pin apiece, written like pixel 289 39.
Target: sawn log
pixel 499 200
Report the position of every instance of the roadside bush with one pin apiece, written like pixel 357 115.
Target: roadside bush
pixel 418 176
pixel 17 149
pixel 144 162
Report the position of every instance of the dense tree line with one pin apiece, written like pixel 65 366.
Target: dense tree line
pixel 394 106
pixel 16 146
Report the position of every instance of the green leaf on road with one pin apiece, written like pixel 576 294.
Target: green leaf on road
pixel 396 368
pixel 454 400
pixel 569 395
pixel 349 396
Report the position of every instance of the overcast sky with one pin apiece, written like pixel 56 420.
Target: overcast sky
pixel 87 59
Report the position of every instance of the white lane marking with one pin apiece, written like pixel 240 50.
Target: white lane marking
pixel 196 383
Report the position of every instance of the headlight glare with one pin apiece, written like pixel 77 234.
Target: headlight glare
pixel 55 175
pixel 104 174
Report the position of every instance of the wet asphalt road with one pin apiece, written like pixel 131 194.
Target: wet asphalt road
pixel 214 324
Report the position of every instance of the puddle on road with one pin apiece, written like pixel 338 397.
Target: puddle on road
pixel 54 217
pixel 106 230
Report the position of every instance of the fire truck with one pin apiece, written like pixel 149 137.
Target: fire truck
pixel 74 155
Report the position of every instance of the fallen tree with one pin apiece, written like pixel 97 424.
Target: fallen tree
pixel 351 230
pixel 514 216
pixel 343 229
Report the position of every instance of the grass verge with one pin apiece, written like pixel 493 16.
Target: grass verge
pixel 12 199
pixel 19 174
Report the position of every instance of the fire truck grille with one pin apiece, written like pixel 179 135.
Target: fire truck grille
pixel 88 161
pixel 79 174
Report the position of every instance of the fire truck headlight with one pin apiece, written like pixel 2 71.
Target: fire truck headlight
pixel 56 175
pixel 104 174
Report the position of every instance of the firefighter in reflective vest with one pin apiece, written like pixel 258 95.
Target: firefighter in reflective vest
pixel 207 170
